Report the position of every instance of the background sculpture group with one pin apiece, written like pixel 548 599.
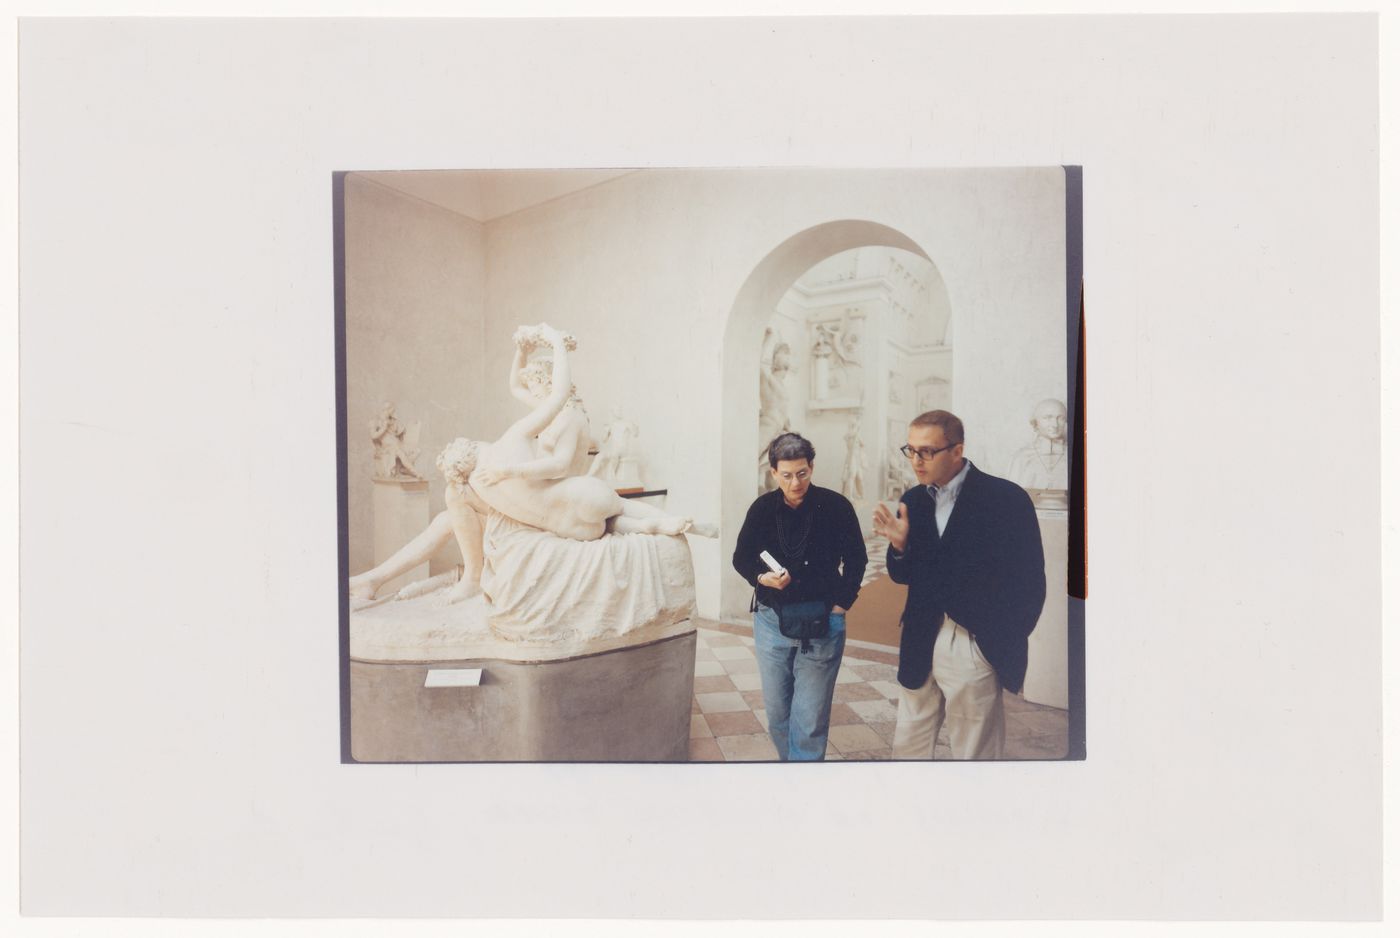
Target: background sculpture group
pixel 616 462
pixel 395 445
pixel 775 360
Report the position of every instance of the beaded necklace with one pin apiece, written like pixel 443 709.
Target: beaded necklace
pixel 793 550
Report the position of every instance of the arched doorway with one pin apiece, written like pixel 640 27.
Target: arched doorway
pixel 772 277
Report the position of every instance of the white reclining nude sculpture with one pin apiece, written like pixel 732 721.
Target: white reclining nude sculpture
pixel 551 556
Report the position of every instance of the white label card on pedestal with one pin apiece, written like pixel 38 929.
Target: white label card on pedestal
pixel 453 677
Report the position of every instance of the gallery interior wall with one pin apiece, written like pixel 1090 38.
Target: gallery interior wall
pixel 646 269
pixel 414 279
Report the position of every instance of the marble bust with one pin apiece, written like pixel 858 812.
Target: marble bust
pixel 1041 467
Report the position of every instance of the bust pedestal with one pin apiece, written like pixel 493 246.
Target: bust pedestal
pixel 628 475
pixel 1047 674
pixel 400 514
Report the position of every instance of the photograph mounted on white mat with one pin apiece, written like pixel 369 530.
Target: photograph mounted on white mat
pixel 601 360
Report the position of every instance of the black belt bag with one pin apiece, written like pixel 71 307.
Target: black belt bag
pixel 806 620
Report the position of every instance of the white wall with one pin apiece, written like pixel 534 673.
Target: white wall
pixel 414 276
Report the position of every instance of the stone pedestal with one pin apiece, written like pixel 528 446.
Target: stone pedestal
pixel 400 513
pixel 626 704
pixel 1047 673
pixel 586 651
pixel 628 475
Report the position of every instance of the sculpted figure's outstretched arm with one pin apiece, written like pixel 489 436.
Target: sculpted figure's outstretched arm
pixel 516 381
pixel 555 465
pixel 561 387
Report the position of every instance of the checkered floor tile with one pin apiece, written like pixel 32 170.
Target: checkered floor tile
pixel 728 723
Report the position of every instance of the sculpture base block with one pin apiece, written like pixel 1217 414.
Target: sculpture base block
pixel 1047 675
pixel 629 704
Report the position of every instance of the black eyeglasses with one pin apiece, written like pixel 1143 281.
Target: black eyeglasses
pixel 924 454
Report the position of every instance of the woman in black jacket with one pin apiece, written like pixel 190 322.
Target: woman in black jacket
pixel 813 535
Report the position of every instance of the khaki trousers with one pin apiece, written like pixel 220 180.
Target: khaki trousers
pixel 962 687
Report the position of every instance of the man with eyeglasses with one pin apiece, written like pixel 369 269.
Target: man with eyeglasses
pixel 967 544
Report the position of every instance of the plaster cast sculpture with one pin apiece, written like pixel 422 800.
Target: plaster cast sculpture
pixel 849 346
pixel 822 351
pixel 775 361
pixel 836 359
pixel 395 446
pixel 848 374
pixel 539 572
pixel 533 338
pixel 550 574
pixel 1042 465
pixel 853 473
pixel 562 448
pixel 546 489
pixel 616 461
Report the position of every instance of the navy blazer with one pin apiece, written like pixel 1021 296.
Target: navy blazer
pixel 987 572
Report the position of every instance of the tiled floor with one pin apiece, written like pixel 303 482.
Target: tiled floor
pixel 728 723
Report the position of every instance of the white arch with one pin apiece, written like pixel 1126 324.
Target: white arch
pixel 757 298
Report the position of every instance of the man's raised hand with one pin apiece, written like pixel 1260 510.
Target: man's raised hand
pixel 895 527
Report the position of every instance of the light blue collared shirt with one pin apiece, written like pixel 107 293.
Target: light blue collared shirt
pixel 946 496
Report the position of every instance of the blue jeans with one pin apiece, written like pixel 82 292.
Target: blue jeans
pixel 797 684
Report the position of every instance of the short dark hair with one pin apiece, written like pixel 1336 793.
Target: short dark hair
pixel 952 427
pixel 790 446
